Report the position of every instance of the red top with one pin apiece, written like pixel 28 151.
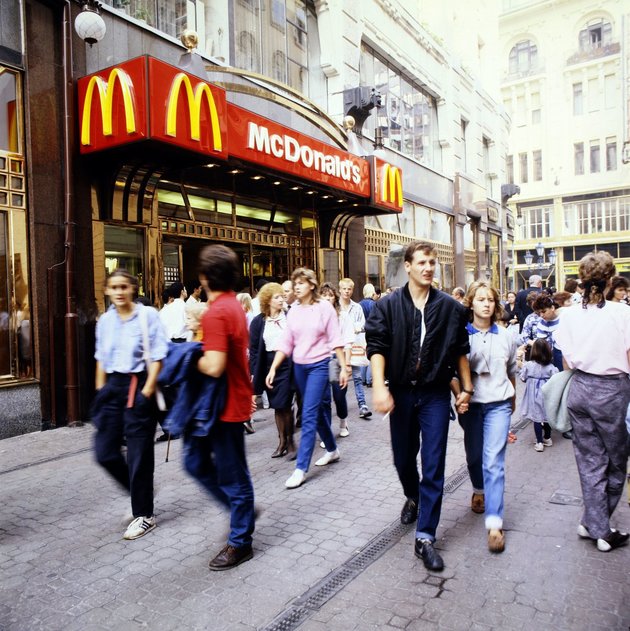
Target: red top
pixel 225 330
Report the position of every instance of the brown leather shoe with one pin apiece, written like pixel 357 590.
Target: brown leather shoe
pixel 496 541
pixel 230 557
pixel 478 503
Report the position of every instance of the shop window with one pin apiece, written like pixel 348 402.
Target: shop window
pixel 374 269
pixel 124 247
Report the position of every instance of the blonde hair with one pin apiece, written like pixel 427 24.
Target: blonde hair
pixel 368 290
pixel 266 293
pixel 246 302
pixel 470 296
pixel 195 311
pixel 347 281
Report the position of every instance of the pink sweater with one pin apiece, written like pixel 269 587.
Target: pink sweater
pixel 312 332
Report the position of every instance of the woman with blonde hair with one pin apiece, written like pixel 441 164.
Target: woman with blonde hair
pixel 486 419
pixel 246 302
pixel 265 332
pixel 594 338
pixel 311 335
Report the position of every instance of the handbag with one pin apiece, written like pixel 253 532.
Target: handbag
pixel 334 370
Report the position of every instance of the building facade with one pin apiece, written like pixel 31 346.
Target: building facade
pixel 131 150
pixel 565 85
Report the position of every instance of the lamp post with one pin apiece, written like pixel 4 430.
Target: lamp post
pixel 540 260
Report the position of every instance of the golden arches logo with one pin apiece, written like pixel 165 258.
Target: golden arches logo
pixel 105 90
pixel 195 98
pixel 391 185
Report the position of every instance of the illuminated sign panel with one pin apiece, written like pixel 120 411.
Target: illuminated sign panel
pixel 387 190
pixel 187 111
pixel 112 106
pixel 263 141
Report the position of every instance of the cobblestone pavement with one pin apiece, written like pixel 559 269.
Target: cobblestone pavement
pixel 328 555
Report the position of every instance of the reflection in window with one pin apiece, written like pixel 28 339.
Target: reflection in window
pixel 5 319
pixel 8 112
pixel 124 247
pixel 408 118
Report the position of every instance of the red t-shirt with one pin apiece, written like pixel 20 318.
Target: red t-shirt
pixel 225 330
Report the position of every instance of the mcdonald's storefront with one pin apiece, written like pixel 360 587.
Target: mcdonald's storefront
pixel 175 162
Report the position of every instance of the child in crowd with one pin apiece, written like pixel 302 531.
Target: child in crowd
pixel 535 373
pixel 194 314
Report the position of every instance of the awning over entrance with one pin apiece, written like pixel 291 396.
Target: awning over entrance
pixel 145 103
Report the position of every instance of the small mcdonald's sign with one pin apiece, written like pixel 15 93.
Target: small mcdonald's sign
pixel 387 190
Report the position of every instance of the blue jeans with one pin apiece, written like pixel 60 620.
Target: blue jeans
pixel 312 382
pixel 421 412
pixel 486 427
pixel 358 385
pixel 219 464
pixel 366 374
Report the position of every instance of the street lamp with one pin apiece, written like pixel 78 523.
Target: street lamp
pixel 528 258
pixel 88 24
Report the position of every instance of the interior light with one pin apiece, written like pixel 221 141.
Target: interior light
pixel 258 177
pixel 341 201
pixel 211 165
pixel 310 192
pixel 277 183
pixel 296 188
pixel 326 196
pixel 235 171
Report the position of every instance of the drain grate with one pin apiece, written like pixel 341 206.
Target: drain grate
pixel 325 589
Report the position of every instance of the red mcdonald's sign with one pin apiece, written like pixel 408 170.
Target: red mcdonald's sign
pixel 187 111
pixel 387 190
pixel 112 106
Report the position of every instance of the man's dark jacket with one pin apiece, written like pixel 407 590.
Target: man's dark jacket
pixel 521 307
pixel 391 331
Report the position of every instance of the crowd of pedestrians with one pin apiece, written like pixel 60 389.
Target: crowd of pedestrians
pixel 421 351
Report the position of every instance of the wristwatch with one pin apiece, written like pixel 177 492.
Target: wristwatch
pixel 470 392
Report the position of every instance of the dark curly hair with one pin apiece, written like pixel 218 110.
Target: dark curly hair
pixel 616 282
pixel 595 270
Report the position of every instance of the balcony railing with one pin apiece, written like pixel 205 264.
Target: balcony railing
pixel 594 52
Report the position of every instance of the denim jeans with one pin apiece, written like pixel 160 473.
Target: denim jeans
pixel 219 464
pixel 339 397
pixel 486 427
pixel 312 382
pixel 358 385
pixel 422 412
pixel 366 374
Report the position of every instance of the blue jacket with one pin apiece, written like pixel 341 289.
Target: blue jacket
pixel 198 399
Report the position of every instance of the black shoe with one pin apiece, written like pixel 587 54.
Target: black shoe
pixel 614 539
pixel 249 428
pixel 409 512
pixel 230 557
pixel 430 557
pixel 568 435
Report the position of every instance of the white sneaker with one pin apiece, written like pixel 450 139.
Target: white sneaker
pixel 296 479
pixel 344 431
pixel 328 457
pixel 583 532
pixel 547 442
pixel 539 447
pixel 139 527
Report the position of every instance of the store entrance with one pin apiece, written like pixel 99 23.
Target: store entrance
pixel 180 257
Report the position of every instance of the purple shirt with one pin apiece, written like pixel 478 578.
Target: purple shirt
pixel 312 332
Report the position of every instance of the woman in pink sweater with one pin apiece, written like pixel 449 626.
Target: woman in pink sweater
pixel 312 333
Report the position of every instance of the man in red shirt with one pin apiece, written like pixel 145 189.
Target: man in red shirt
pixel 220 461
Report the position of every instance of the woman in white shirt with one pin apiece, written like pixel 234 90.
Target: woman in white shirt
pixel 594 338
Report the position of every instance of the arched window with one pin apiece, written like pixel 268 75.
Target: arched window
pixel 246 53
pixel 523 57
pixel 596 34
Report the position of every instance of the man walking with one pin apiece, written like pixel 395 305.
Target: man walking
pixel 416 339
pixel 218 460
pixel 521 307
pixel 352 311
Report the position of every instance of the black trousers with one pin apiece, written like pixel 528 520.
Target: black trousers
pixel 113 421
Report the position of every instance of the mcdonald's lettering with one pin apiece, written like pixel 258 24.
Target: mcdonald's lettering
pixel 391 186
pixel 105 91
pixel 195 98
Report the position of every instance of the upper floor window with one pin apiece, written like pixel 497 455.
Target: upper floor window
pixel 536 222
pixel 523 57
pixel 408 116
pixel 596 34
